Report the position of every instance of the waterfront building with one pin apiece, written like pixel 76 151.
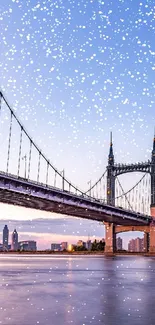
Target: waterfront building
pixel 84 244
pixel 1 247
pixel 80 243
pixel 14 244
pixel 27 245
pixel 131 245
pixel 64 246
pixel 139 244
pixel 55 247
pixel 5 237
pixel 136 245
pixel 119 244
pixel 89 244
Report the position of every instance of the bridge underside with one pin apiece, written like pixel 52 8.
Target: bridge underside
pixel 34 202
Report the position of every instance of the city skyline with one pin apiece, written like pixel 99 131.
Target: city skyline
pixel 11 241
pixel 40 230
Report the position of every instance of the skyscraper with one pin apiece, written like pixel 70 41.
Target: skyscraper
pixel 119 242
pixel 5 237
pixel 136 245
pixel 14 244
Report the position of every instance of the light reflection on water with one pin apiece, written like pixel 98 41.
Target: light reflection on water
pixel 59 290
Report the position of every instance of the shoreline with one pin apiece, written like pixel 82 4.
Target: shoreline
pixel 82 253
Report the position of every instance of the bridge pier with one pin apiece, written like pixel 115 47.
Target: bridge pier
pixel 146 242
pixel 110 238
pixel 152 231
pixel 112 230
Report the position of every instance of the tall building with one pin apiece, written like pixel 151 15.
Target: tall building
pixel 136 245
pixel 119 244
pixel 131 245
pixel 14 244
pixel 139 244
pixel 5 237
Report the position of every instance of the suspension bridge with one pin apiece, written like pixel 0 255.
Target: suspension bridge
pixel 40 185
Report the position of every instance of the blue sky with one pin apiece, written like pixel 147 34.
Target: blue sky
pixel 73 71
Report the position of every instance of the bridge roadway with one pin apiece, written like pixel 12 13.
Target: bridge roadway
pixel 30 194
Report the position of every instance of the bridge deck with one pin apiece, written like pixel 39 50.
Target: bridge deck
pixel 18 191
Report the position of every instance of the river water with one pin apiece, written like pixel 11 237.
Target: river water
pixel 81 290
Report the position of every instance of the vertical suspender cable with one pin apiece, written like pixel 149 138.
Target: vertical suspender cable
pixel 47 172
pixel 9 144
pixel 139 198
pixel 38 167
pixel 29 159
pixel 20 149
pixel 55 179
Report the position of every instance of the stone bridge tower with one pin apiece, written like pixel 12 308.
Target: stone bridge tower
pixel 114 170
pixel 153 180
pixel 152 207
pixel 110 175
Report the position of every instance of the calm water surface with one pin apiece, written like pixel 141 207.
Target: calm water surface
pixel 65 290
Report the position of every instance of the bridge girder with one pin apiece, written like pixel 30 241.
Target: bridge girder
pixel 119 169
pixel 30 194
pixel 120 229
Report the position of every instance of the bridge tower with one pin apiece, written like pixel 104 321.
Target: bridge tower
pixel 110 175
pixel 152 207
pixel 112 229
pixel 153 180
pixel 110 236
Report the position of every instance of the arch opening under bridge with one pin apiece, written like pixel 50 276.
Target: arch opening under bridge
pixel 132 239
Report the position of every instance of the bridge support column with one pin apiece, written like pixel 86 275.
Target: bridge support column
pixel 152 232
pixel 146 242
pixel 152 239
pixel 110 238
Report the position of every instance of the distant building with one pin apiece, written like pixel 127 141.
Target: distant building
pixel 27 245
pixel 14 244
pixel 131 245
pixel 139 244
pixel 1 247
pixel 55 247
pixel 64 246
pixel 5 237
pixel 84 244
pixel 89 245
pixel 119 244
pixel 80 243
pixel 9 247
pixel 136 245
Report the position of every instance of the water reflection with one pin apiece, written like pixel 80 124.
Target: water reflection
pixel 76 290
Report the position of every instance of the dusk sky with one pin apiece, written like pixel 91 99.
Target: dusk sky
pixel 73 71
